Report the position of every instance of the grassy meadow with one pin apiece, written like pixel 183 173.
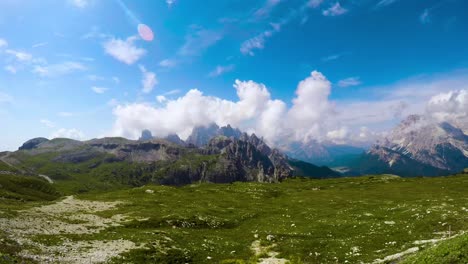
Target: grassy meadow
pixel 369 219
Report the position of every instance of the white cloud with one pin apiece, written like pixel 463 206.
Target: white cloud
pixel 93 77
pixel 99 90
pixel 311 107
pixel 170 3
pixel 20 55
pixel 47 123
pixel 338 135
pixel 113 102
pixel 79 3
pixel 311 116
pixel 258 42
pixel 161 98
pixel 41 44
pixel 254 111
pixel 332 57
pixel 266 9
pixel 335 10
pixel 168 63
pixel 10 68
pixel 450 106
pixel 72 133
pixel 314 3
pixel 351 81
pixel 5 98
pixel 425 18
pixel 58 69
pixel 383 3
pixel 124 50
pixel 198 41
pixel 3 43
pixel 149 80
pixel 171 92
pixel 219 70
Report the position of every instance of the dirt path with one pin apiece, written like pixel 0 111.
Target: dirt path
pixel 69 216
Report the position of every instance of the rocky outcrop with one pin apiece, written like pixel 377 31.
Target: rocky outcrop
pixel 146 135
pixel 419 147
pixel 33 143
pixel 201 135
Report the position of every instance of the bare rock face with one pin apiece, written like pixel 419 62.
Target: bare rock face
pixel 250 156
pixel 441 146
pixel 32 143
pixel 201 135
pixel 146 135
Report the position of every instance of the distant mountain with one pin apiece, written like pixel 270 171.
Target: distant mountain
pixel 323 153
pixel 110 161
pixel 418 147
pixel 146 135
pixel 201 135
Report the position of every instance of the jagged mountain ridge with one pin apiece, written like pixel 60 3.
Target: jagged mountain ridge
pixel 418 146
pixel 137 162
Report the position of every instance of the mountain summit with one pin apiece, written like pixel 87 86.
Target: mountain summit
pixel 419 146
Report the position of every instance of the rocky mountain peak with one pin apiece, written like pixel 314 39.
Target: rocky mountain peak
pixel 146 135
pixel 439 145
pixel 33 143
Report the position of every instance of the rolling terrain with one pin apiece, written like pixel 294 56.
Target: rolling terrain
pixel 369 219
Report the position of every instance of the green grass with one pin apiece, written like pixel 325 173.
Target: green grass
pixel 310 221
pixel 313 221
pixel 452 251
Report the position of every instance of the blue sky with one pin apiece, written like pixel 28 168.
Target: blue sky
pixel 77 68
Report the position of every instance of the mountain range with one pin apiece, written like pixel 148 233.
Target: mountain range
pixel 118 161
pixel 418 147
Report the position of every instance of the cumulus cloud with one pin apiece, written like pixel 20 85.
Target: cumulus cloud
pixel 451 106
pixel 149 80
pixel 310 116
pixel 99 90
pixel 72 133
pixel 351 81
pixel 124 50
pixel 54 70
pixel 220 70
pixel 335 10
pixel 338 135
pixel 161 98
pixel 254 110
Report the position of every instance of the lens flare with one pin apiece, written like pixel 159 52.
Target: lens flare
pixel 145 32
